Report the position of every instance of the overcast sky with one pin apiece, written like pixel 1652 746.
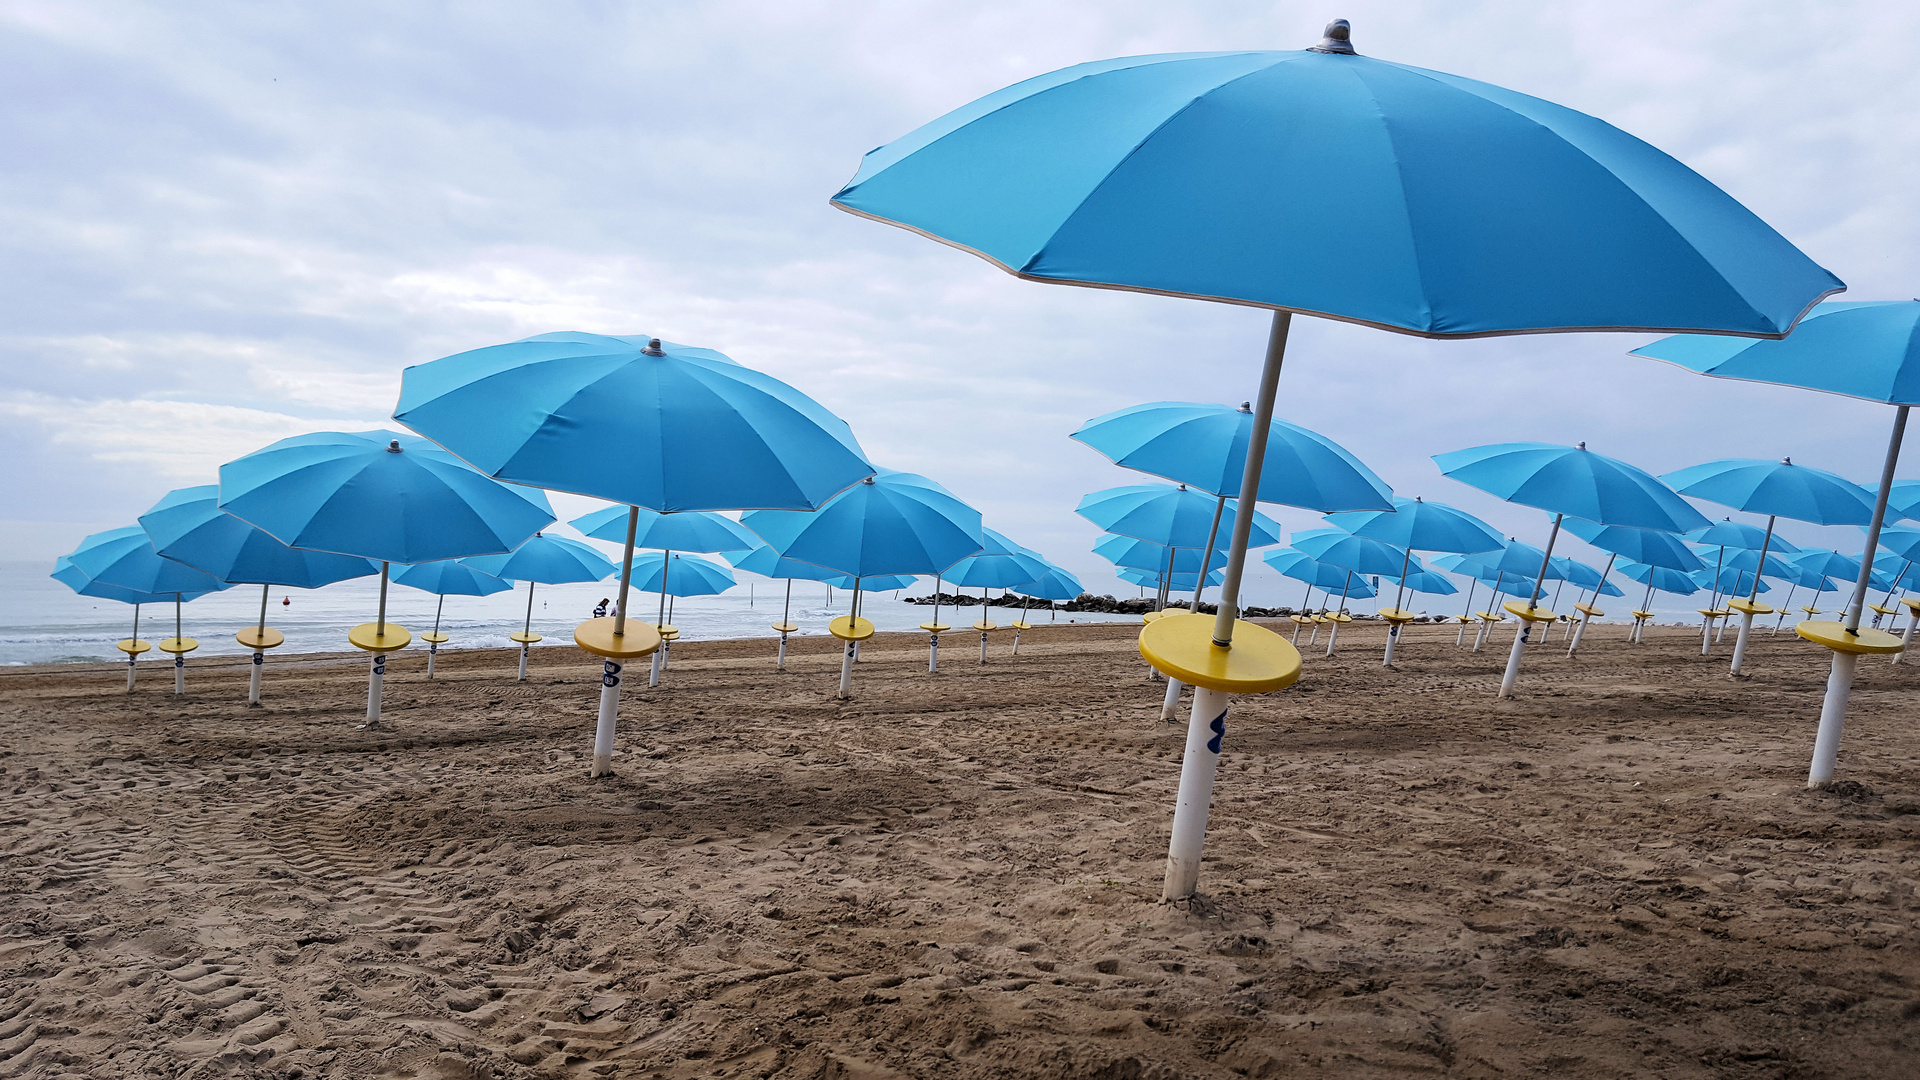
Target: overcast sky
pixel 221 224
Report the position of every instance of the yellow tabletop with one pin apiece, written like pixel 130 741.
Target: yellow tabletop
pixel 1336 617
pixel 784 628
pixel 1810 610
pixel 523 637
pixel 1589 609
pixel 1749 607
pixel 364 637
pixel 434 637
pixel 1708 612
pixel 1303 620
pixel 1520 610
pixel 1883 610
pixel 935 627
pixel 1912 604
pixel 1463 618
pixel 850 628
pixel 1182 646
pixel 1834 636
pixel 253 638
pixel 1154 616
pixel 1397 615
pixel 668 632
pixel 1020 624
pixel 179 646
pixel 1488 616
pixel 983 626
pixel 597 637
pixel 1643 614
pixel 132 646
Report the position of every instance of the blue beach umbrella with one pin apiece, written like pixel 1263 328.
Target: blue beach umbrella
pixel 890 523
pixel 1862 349
pixel 1053 586
pixel 636 420
pixel 1426 581
pixel 188 525
pixel 1650 546
pixel 1581 576
pixel 1656 579
pixel 1205 447
pixel 1300 566
pixel 1418 525
pixel 1329 183
pixel 1343 549
pixel 1566 481
pixel 1151 557
pixel 1736 535
pixel 880 583
pixel 763 560
pixel 444 578
pixel 691 531
pixel 1179 582
pixel 544 560
pixel 1904 499
pixel 124 559
pixel 679 574
pixel 1171 516
pixel 1000 564
pixel 1777 489
pixel 1730 581
pixel 69 575
pixel 378 495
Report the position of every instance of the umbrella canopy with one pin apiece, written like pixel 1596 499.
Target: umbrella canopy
pixel 1513 558
pixel 124 558
pixel 1901 540
pixel 880 583
pixel 1485 567
pixel 689 575
pixel 69 575
pixel 1580 575
pixel 549 560
pixel 1170 516
pixel 1055 584
pixel 188 525
pixel 1904 498
pixel 1730 581
pixel 1894 572
pixel 449 577
pixel 1426 581
pixel 1747 559
pixel 379 495
pixel 1777 489
pixel 1205 447
pixel 1649 546
pixel 1300 566
pixel 1737 534
pixel 636 420
pixel 1858 348
pixel 1141 555
pixel 1337 547
pixel 1001 564
pixel 1419 525
pixel 1326 182
pixel 763 560
pixel 892 523
pixel 1825 563
pixel 1661 578
pixel 1177 582
pixel 692 531
pixel 1574 481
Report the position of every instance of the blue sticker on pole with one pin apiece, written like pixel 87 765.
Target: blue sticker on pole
pixel 1219 729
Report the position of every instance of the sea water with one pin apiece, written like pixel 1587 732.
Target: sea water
pixel 45 622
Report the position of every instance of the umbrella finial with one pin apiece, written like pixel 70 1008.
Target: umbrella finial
pixel 1583 444
pixel 1246 406
pixel 393 446
pixel 1336 41
pixel 1786 461
pixel 653 348
pixel 867 480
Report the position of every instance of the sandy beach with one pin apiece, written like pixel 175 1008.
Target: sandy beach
pixel 1618 874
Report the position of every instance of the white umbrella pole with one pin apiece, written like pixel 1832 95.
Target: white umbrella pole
pixel 846 657
pixel 1906 639
pixel 660 620
pixel 1788 606
pixel 1526 625
pixel 1746 617
pixel 179 659
pixel 1833 710
pixel 933 637
pixel 132 657
pixel 377 674
pixel 1333 636
pixel 259 656
pixel 1493 608
pixel 780 664
pixel 610 670
pixel 433 646
pixel 1460 638
pixel 1208 726
pixel 1315 636
pixel 524 631
pixel 984 612
pixel 1399 595
pixel 1598 591
pixel 1303 610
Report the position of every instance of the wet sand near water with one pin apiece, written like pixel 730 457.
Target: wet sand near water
pixel 1618 874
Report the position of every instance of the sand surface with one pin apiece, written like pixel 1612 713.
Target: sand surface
pixel 1618 874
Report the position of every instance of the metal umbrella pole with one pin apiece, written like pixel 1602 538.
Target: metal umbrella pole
pixel 1530 616
pixel 1171 703
pixel 433 639
pixel 1399 595
pixel 179 658
pixel 526 633
pixel 259 655
pixel 786 608
pixel 1493 608
pixel 1460 638
pixel 1713 604
pixel 1787 606
pixel 1848 644
pixel 1301 614
pixel 1752 605
pixel 660 624
pixel 133 648
pixel 1333 636
pixel 1587 611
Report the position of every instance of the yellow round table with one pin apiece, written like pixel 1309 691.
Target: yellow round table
pixel 851 628
pixel 434 637
pixel 1589 609
pixel 1521 610
pixel 1181 646
pixel 365 636
pixel 597 637
pixel 1019 624
pixel 668 632
pixel 983 626
pixel 1303 620
pixel 1154 616
pixel 132 646
pixel 1397 616
pixel 1749 607
pixel 1833 635
pixel 1643 614
pixel 935 627
pixel 524 637
pixel 253 638
pixel 1331 616
pixel 784 628
pixel 1810 610
pixel 1488 616
pixel 179 646
pixel 1911 604
pixel 1709 613
pixel 1882 610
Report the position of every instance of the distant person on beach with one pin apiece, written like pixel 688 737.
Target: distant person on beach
pixel 600 610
